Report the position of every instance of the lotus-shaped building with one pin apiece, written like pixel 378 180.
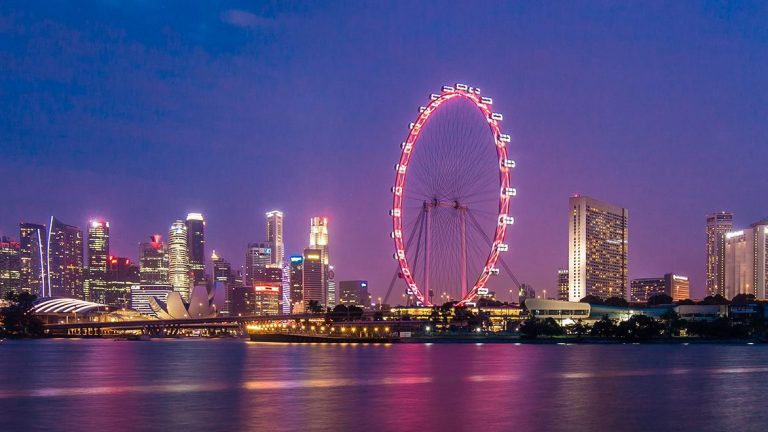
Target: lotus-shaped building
pixel 200 305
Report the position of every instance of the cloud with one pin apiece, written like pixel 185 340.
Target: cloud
pixel 245 19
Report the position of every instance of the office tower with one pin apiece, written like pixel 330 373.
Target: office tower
pixel 33 240
pixel 222 284
pixel 642 289
pixel 562 284
pixel 242 297
pixel 673 285
pixel 121 275
pixel 297 283
pixel 746 261
pixel 318 240
pixel 331 296
pixel 676 286
pixel 312 277
pixel 718 224
pixel 266 300
pixel 275 236
pixel 98 251
pixel 10 266
pixel 597 249
pixel 257 256
pixel 178 259
pixel 354 293
pixel 64 260
pixel 153 261
pixel 196 246
pixel 286 289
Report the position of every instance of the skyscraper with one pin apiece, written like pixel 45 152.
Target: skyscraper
pixel 196 244
pixel 673 285
pixel 718 224
pixel 275 236
pixel 33 240
pixel 153 261
pixel 597 249
pixel 562 284
pixel 354 293
pixel 222 284
pixel 10 266
pixel 318 240
pixel 98 251
pixel 297 290
pixel 257 256
pixel 312 277
pixel 121 275
pixel 178 259
pixel 64 260
pixel 746 261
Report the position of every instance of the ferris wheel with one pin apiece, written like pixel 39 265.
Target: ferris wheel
pixel 451 197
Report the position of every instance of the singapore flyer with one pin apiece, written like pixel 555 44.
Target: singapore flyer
pixel 451 198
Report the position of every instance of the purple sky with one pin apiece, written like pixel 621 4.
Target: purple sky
pixel 140 113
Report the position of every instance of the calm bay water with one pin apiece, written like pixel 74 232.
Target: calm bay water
pixel 214 385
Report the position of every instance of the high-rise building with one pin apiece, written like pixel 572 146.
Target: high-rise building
pixel 312 277
pixel 178 259
pixel 718 224
pixel 153 261
pixel 642 289
pixel 673 285
pixel 10 266
pixel 746 261
pixel 354 293
pixel 64 260
pixel 318 240
pixel 121 275
pixel 98 251
pixel 257 256
pixel 266 299
pixel 526 291
pixel 140 295
pixel 196 246
pixel 222 284
pixel 297 284
pixel 597 249
pixel 33 240
pixel 562 284
pixel 275 236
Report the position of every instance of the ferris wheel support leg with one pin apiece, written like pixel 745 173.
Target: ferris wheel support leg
pixel 463 224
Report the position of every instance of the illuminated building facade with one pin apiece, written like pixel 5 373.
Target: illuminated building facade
pixel 64 260
pixel 275 236
pixel 153 261
pixel 33 241
pixel 98 251
pixel 642 289
pixel 121 275
pixel 746 261
pixel 257 256
pixel 178 259
pixel 196 246
pixel 718 225
pixel 562 284
pixel 354 293
pixel 597 249
pixel 10 266
pixel 673 285
pixel 297 273
pixel 222 284
pixel 313 277
pixel 266 299
pixel 525 292
pixel 318 240
pixel 140 295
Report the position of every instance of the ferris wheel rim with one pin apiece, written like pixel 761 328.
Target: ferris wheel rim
pixel 505 190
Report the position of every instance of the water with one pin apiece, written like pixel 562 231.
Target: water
pixel 213 385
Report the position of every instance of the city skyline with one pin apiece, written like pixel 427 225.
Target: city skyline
pixel 702 140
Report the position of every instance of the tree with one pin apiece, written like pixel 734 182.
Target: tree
pixel 660 299
pixel 715 300
pixel 606 327
pixel 591 299
pixel 672 322
pixel 315 307
pixel 616 301
pixel 743 299
pixel 578 328
pixel 686 302
pixel 18 319
pixel 639 327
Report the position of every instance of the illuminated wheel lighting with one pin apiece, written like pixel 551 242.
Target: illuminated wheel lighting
pixel 400 192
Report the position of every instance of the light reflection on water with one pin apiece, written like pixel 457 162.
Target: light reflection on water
pixel 234 385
